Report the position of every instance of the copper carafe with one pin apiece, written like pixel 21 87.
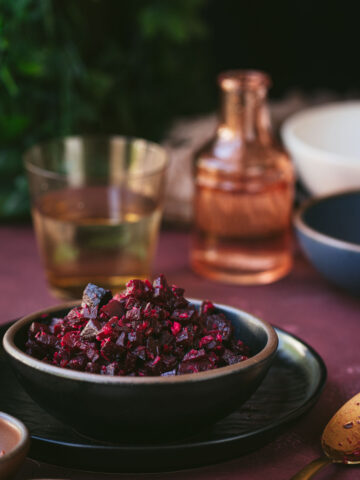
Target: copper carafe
pixel 244 190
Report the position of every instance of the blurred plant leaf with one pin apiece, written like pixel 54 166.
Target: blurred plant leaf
pixel 93 67
pixel 177 20
pixel 11 126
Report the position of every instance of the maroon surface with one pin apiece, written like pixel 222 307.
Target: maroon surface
pixel 303 304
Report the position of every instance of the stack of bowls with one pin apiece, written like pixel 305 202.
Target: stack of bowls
pixel 324 143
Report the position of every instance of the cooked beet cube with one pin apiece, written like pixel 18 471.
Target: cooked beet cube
pixel 218 322
pixel 152 347
pixel 55 325
pixel 92 354
pixel 194 355
pixel 133 315
pixel 130 362
pixel 169 362
pixel 91 329
pixel 166 338
pixel 140 352
pixel 92 367
pixel 138 289
pixel 161 288
pixel 239 347
pixel 112 369
pixel 135 338
pixel 36 327
pixel 74 316
pixel 185 338
pixel 198 363
pixel 47 340
pixel 77 363
pixel 110 350
pixel 94 297
pixel 177 291
pixel 207 307
pixel 184 315
pixel 230 358
pixel 112 309
pixel 153 367
pixel 110 329
pixel 122 339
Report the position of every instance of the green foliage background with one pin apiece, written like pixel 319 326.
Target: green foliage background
pixel 93 66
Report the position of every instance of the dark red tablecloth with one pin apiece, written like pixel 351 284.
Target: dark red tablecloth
pixel 303 304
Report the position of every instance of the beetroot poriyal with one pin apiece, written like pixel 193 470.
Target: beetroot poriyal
pixel 149 329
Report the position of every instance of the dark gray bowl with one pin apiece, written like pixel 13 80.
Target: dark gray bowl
pixel 328 229
pixel 143 407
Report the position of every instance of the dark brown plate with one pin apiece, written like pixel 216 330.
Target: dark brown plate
pixel 292 386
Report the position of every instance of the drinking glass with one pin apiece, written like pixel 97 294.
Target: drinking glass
pixel 96 207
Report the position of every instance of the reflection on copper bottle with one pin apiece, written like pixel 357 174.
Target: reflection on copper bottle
pixel 244 190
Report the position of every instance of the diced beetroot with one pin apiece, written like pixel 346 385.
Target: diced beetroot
pixel 36 327
pixel 135 338
pixel 77 363
pixel 194 355
pixel 112 309
pixel 140 352
pixel 230 358
pixel 150 329
pixel 184 315
pixel 55 326
pixel 130 363
pixel 110 350
pixel 71 341
pixel 161 288
pixel 92 354
pixel 169 362
pixel 185 338
pixel 92 367
pixel 175 328
pixel 133 315
pixel 218 323
pixel 112 369
pixel 152 347
pixel 177 291
pixel 109 330
pixel 122 339
pixel 207 307
pixel 91 329
pixel 138 289
pixel 47 340
pixel 94 297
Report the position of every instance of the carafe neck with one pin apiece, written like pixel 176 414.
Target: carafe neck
pixel 244 113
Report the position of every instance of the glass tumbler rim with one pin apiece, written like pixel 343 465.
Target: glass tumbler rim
pixel 31 166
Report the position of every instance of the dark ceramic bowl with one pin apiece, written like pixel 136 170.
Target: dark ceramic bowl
pixel 121 407
pixel 328 229
pixel 15 443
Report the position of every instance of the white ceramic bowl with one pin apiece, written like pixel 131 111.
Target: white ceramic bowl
pixel 324 143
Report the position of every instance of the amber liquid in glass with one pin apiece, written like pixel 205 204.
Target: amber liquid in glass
pixel 103 235
pixel 243 191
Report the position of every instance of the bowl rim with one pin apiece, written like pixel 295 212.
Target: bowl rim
pixel 301 147
pixel 13 351
pixel 22 444
pixel 301 225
